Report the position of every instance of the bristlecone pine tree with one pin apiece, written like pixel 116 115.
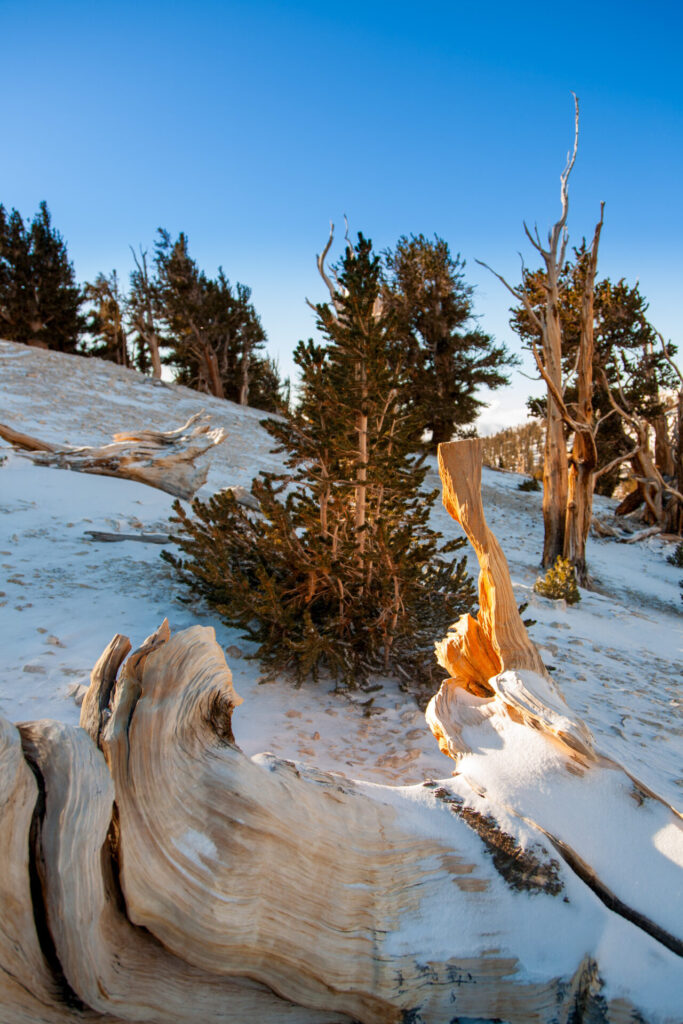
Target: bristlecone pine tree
pixel 340 572
pixel 39 299
pixel 451 357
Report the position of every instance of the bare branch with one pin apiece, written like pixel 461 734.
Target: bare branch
pixel 620 409
pixel 563 247
pixel 668 358
pixel 558 397
pixel 518 294
pixel 618 461
pixel 320 260
pixel 535 241
pixel 601 417
pixel 659 479
pixel 669 489
pixel 574 369
pixel 559 227
pixel 571 158
pixel 349 243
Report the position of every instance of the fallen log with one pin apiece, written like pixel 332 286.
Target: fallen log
pixel 168 877
pixel 635 538
pixel 142 538
pixel 601 529
pixel 166 460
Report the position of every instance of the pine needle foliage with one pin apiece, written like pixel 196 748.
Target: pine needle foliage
pixel 530 484
pixel 340 572
pixel 559 582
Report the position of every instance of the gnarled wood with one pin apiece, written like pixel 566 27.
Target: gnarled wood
pixel 483 729
pixel 108 963
pixel 166 460
pixel 175 879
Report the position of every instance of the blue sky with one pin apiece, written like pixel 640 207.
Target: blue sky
pixel 250 126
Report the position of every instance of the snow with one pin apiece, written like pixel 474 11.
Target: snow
pixel 616 655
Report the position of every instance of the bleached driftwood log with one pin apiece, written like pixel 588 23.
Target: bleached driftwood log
pixel 155 873
pixel 163 459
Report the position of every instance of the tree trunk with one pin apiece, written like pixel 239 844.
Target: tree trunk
pixel 442 431
pixel 362 469
pixel 664 459
pixel 644 470
pixel 555 481
pixel 213 374
pixel 153 873
pixel 244 385
pixel 579 504
pixel 153 345
pixel 555 484
pixel 162 459
pixel 584 458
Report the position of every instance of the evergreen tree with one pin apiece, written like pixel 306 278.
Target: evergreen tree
pixel 143 316
pixel 106 321
pixel 184 302
pixel 341 571
pixel 215 336
pixel 450 356
pixel 39 298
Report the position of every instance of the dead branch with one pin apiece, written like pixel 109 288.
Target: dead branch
pixel 143 538
pixel 643 535
pixel 162 459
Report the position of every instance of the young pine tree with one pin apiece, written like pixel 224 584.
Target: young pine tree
pixel 341 571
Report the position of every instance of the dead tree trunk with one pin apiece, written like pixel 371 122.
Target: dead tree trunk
pixel 555 486
pixel 163 459
pixel 153 873
pixel 583 460
pixel 567 484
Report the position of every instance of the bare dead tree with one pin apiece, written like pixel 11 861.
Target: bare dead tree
pixel 141 309
pixel 568 483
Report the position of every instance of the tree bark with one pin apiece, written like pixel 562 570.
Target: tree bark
pixel 555 485
pixel 244 385
pixel 362 468
pixel 213 376
pixel 583 461
pixel 152 342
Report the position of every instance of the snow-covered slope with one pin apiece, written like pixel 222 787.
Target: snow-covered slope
pixel 617 655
